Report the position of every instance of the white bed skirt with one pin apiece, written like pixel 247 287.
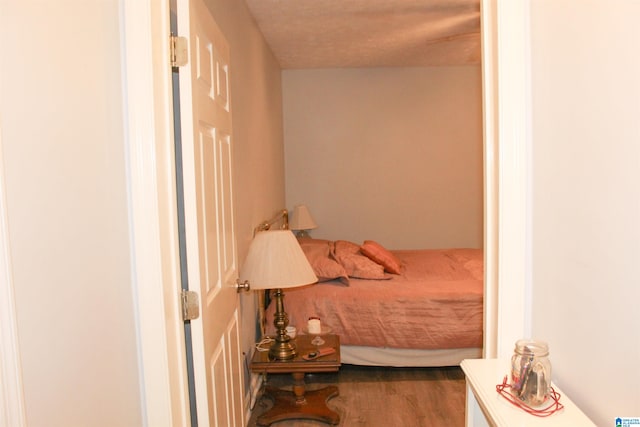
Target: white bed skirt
pixel 400 357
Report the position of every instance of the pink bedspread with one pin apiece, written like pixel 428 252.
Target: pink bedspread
pixel 436 303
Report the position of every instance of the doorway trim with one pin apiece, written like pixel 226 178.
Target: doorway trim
pixel 507 138
pixel 155 270
pixel 12 409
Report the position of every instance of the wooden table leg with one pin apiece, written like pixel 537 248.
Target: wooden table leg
pixel 299 403
pixel 299 388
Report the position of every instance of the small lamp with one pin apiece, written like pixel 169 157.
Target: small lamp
pixel 301 221
pixel 276 261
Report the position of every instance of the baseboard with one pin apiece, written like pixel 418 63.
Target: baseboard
pixel 252 394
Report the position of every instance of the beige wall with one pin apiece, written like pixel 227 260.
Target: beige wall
pixel 586 200
pixel 61 111
pixel 390 154
pixel 256 104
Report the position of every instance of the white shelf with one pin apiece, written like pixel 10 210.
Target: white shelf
pixel 485 407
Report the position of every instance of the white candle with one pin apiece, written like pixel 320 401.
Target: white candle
pixel 314 326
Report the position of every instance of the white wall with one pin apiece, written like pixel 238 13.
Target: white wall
pixel 64 164
pixel 390 154
pixel 586 199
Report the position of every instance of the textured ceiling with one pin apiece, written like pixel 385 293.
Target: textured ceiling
pixel 370 33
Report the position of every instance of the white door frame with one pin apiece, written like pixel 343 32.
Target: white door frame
pixel 149 130
pixel 148 112
pixel 12 410
pixel 507 130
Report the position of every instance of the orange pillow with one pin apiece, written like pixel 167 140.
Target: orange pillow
pixel 318 254
pixel 382 256
pixel 355 264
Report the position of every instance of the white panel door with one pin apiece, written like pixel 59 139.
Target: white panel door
pixel 212 265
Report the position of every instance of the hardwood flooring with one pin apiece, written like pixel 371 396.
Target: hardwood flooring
pixel 384 397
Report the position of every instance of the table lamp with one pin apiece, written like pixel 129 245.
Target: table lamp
pixel 276 261
pixel 302 221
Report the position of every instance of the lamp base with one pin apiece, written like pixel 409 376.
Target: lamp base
pixel 282 348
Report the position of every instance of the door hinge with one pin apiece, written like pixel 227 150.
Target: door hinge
pixel 190 305
pixel 179 51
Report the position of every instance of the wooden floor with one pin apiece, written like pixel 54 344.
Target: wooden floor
pixel 395 397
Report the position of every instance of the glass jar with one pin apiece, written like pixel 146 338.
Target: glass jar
pixel 531 372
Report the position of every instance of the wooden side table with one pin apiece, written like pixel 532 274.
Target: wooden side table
pixel 300 403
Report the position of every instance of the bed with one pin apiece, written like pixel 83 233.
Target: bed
pixel 393 308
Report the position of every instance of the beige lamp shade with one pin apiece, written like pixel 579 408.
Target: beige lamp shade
pixel 276 261
pixel 301 219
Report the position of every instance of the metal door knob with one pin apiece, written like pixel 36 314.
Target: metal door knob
pixel 243 286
